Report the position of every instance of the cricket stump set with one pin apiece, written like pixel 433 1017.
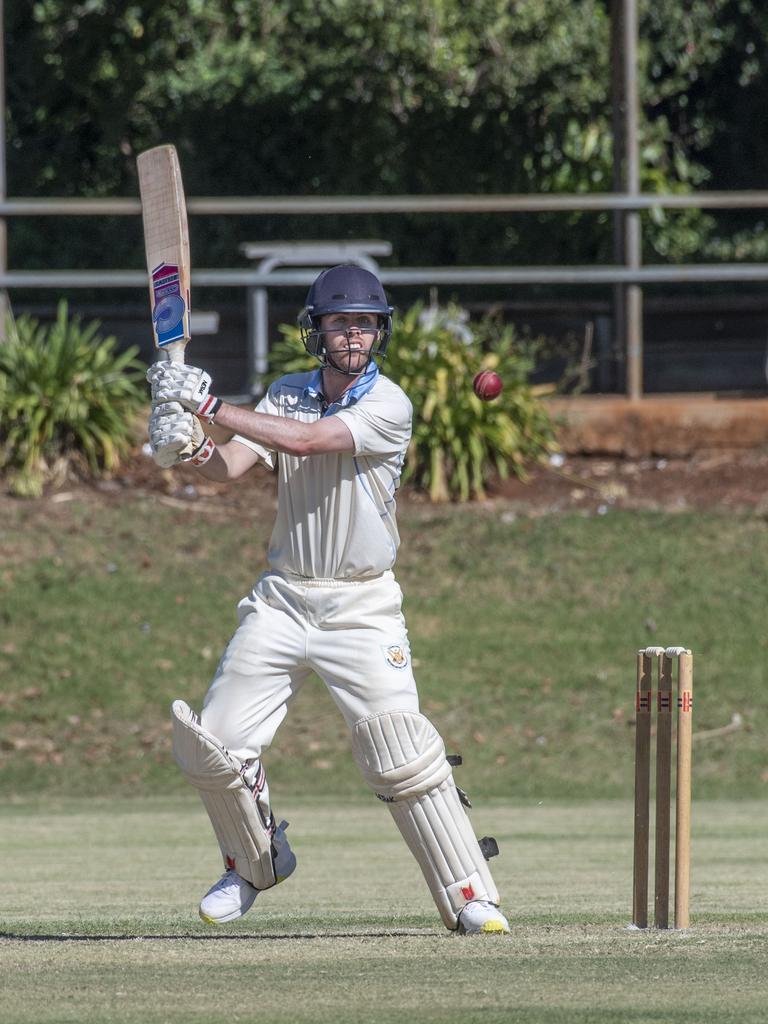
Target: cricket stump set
pixel 663 659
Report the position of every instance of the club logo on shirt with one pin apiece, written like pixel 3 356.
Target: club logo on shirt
pixel 396 655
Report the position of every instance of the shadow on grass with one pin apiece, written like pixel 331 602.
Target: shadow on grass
pixel 249 937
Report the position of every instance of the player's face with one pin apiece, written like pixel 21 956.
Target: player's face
pixel 348 339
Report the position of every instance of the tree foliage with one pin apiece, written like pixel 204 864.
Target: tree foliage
pixel 370 97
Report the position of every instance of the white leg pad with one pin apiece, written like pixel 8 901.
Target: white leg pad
pixel 402 758
pixel 244 836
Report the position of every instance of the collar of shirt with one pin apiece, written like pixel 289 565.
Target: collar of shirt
pixel 361 387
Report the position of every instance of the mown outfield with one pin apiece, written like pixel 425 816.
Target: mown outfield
pixel 99 922
pixel 523 632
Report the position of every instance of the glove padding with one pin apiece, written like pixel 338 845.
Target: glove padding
pixel 188 385
pixel 175 435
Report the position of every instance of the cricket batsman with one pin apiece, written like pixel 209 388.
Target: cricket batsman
pixel 328 603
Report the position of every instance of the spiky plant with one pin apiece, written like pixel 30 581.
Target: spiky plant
pixel 67 399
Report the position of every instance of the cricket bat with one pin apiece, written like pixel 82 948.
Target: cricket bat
pixel 166 240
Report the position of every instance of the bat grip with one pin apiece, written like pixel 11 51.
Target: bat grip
pixel 175 351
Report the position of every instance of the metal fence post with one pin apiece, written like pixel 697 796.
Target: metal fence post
pixel 4 304
pixel 627 238
pixel 633 238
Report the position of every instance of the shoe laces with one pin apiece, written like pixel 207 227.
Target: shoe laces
pixel 229 878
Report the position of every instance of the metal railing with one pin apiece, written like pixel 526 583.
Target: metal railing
pixel 621 276
pixel 304 205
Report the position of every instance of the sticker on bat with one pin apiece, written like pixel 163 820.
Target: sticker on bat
pixel 169 308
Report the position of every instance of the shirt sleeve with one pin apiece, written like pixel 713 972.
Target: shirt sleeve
pixel 268 404
pixel 379 426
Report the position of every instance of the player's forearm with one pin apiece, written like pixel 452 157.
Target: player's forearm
pixel 277 433
pixel 219 467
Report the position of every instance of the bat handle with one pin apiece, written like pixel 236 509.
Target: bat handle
pixel 175 351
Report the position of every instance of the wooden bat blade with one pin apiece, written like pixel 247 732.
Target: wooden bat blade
pixel 166 241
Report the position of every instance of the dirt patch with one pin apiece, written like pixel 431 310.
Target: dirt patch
pixel 671 426
pixel 721 479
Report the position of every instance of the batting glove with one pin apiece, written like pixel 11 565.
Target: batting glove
pixel 175 435
pixel 187 385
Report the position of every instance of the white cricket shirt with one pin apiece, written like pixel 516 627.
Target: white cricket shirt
pixel 336 512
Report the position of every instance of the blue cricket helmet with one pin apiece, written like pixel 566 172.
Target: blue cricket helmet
pixel 346 288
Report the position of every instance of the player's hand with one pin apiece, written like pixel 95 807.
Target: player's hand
pixel 175 435
pixel 188 385
pixel 171 431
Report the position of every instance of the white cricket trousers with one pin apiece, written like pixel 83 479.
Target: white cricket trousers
pixel 351 633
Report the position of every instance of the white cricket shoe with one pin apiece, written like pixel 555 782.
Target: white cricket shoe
pixel 482 918
pixel 232 896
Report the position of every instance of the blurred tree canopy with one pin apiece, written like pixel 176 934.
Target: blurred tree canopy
pixel 371 97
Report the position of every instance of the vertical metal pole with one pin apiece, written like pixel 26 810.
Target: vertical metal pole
pixel 4 304
pixel 258 329
pixel 632 234
pixel 618 105
pixel 259 340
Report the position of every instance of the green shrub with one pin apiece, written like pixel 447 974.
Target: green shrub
pixel 459 442
pixel 67 400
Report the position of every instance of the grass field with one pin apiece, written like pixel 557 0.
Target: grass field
pixel 523 634
pixel 99 922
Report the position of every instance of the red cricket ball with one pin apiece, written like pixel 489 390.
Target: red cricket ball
pixel 487 385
